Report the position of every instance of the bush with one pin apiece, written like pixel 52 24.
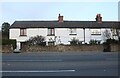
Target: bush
pixel 37 40
pixel 107 47
pixel 42 44
pixel 74 41
pixel 94 42
pixel 110 41
pixel 9 42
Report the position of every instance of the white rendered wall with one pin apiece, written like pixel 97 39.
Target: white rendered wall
pixel 61 35
pixel 31 32
pixel 15 34
pixel 87 35
pixel 102 37
pixel 80 34
pixel 96 37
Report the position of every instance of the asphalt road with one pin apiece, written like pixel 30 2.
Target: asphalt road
pixel 60 64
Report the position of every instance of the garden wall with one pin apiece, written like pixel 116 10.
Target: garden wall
pixel 63 48
pixel 115 47
pixel 7 49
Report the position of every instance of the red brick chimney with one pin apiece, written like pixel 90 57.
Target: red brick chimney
pixel 98 18
pixel 60 18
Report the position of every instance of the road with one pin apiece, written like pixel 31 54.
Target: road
pixel 60 64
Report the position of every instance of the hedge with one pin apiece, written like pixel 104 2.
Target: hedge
pixel 9 42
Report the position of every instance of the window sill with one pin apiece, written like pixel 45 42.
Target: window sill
pixel 51 35
pixel 72 34
pixel 95 34
pixel 115 35
pixel 23 35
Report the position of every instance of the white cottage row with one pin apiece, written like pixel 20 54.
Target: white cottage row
pixel 62 32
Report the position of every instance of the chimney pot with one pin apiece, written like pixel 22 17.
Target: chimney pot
pixel 98 18
pixel 60 18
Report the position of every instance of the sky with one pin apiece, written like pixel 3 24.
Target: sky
pixel 77 10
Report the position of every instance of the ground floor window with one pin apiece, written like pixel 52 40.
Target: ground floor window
pixel 95 31
pixel 73 31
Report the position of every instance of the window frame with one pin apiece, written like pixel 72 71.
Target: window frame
pixel 95 33
pixel 72 31
pixel 23 32
pixel 51 32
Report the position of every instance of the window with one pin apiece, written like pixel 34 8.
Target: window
pixel 51 31
pixel 23 32
pixel 73 31
pixel 95 32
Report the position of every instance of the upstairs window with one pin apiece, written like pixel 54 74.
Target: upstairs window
pixel 51 31
pixel 23 32
pixel 73 31
pixel 95 32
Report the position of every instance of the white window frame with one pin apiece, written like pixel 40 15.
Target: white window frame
pixel 51 31
pixel 95 31
pixel 73 31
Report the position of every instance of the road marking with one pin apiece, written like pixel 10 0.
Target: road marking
pixel 32 60
pixel 8 64
pixel 41 71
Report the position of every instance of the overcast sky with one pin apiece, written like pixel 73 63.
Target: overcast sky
pixel 81 11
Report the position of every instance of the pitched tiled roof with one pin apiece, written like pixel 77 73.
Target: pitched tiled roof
pixel 65 24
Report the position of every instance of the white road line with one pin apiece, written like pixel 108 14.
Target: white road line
pixel 32 60
pixel 41 71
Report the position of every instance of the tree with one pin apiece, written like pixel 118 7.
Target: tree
pixel 106 35
pixel 118 33
pixel 5 29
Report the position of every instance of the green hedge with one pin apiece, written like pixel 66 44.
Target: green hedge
pixel 9 42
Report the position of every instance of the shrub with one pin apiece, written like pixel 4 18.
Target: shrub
pixel 94 42
pixel 37 40
pixel 107 47
pixel 74 41
pixel 109 41
pixel 9 42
